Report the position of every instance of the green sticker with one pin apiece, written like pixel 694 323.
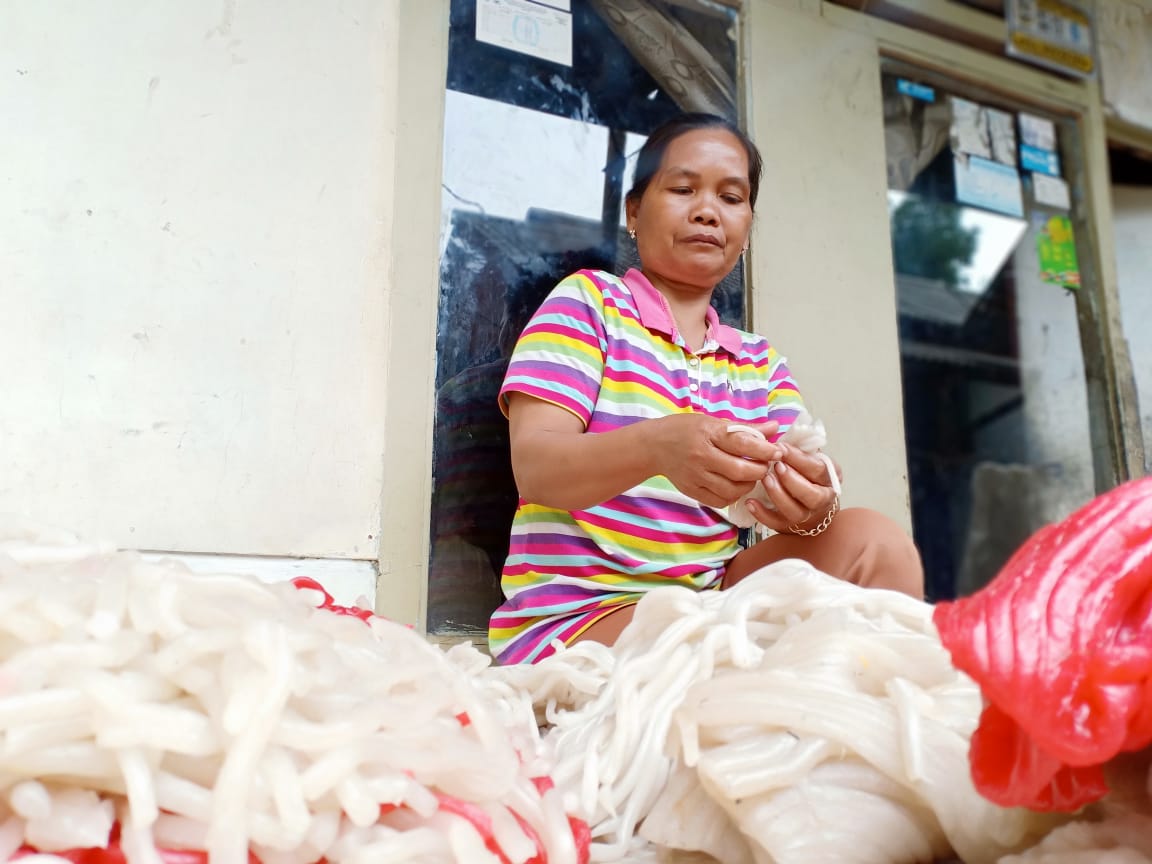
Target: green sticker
pixel 1056 246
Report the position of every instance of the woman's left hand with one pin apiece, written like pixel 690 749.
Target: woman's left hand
pixel 801 489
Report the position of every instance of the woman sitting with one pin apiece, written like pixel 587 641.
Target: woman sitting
pixel 619 396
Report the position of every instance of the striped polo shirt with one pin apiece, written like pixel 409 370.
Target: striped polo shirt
pixel 607 349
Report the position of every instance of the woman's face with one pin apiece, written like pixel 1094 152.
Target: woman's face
pixel 693 220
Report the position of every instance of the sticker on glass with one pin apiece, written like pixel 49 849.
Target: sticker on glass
pixel 917 91
pixel 1037 132
pixel 1056 248
pixel 1002 136
pixel 988 184
pixel 1040 161
pixel 1051 192
pixel 969 132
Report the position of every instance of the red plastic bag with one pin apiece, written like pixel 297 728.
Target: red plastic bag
pixel 1061 645
pixel 114 854
pixel 474 814
pixel 328 602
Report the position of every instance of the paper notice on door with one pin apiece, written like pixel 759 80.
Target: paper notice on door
pixel 1051 192
pixel 969 133
pixel 541 29
pixel 988 184
pixel 1037 132
pixel 1002 132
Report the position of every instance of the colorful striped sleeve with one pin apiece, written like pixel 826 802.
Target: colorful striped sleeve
pixel 561 353
pixel 784 400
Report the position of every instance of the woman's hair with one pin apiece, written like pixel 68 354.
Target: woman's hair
pixel 652 153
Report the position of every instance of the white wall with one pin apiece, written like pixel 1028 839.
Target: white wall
pixel 1132 218
pixel 1059 442
pixel 201 294
pixel 1125 48
pixel 824 291
pixel 195 232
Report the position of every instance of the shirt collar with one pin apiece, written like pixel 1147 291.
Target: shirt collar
pixel 655 315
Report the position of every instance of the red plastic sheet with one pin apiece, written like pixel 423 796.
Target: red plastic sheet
pixel 1060 643
pixel 114 854
pixel 475 815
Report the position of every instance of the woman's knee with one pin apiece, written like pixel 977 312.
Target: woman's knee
pixel 860 546
pixel 882 553
pixel 869 526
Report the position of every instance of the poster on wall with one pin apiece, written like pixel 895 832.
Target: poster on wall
pixel 541 28
pixel 1055 34
pixel 1056 248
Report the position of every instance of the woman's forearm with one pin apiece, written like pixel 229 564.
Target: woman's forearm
pixel 573 470
pixel 558 464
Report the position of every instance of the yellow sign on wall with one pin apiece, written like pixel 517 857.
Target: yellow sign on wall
pixel 1052 33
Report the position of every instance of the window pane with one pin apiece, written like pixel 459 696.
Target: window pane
pixel 995 401
pixel 1132 221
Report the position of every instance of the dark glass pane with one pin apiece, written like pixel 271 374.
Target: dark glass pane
pixel 995 405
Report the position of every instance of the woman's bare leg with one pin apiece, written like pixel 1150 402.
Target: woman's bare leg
pixel 608 629
pixel 860 546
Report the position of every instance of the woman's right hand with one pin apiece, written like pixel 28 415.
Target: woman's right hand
pixel 709 463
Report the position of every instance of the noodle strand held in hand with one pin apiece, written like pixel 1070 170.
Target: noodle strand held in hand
pixel 805 434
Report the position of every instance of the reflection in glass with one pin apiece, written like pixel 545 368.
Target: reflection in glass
pixel 931 241
pixel 947 255
pixel 536 164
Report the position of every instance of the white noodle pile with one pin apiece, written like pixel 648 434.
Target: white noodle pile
pixel 1116 830
pixel 793 718
pixel 1121 839
pixel 222 714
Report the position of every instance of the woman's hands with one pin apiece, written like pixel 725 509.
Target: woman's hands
pixel 800 487
pixel 558 464
pixel 707 462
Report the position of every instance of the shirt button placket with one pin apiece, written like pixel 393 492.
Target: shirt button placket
pixel 694 372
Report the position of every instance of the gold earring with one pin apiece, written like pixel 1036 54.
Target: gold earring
pixel 632 233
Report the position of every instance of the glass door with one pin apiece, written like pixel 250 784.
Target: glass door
pixel 988 243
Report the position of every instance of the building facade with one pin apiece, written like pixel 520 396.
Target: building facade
pixel 264 263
